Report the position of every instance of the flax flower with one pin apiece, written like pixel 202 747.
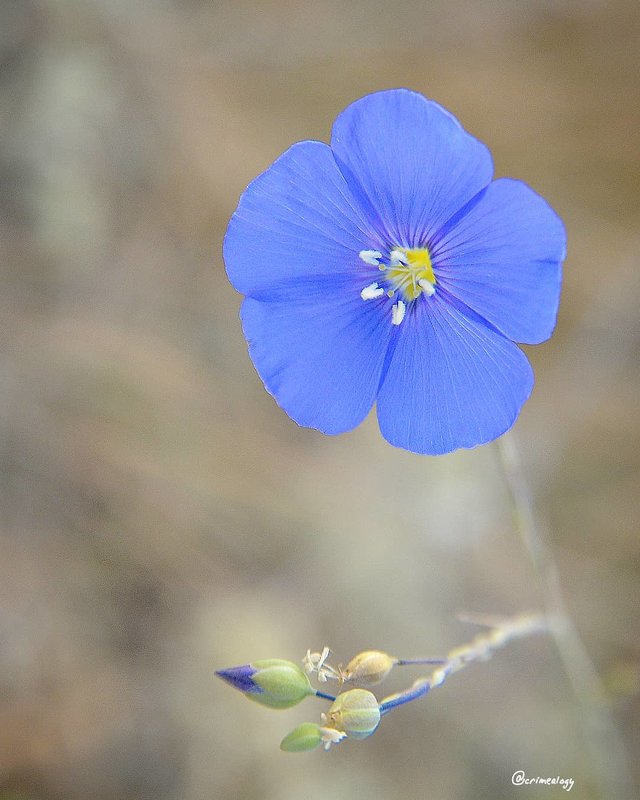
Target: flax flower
pixel 389 268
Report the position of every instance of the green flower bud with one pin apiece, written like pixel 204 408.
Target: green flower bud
pixel 308 736
pixel 273 682
pixel 355 712
pixel 305 737
pixel 369 668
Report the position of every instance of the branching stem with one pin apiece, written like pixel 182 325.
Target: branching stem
pixel 480 648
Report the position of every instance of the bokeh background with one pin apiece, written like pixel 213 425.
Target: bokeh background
pixel 162 518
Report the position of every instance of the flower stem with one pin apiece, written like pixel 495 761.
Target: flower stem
pixel 325 696
pixel 603 739
pixel 501 631
pixel 417 689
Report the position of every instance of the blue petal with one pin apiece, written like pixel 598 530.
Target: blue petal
pixel 240 678
pixel 320 354
pixel 452 381
pixel 412 163
pixel 503 259
pixel 297 220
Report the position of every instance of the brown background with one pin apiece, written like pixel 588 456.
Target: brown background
pixel 161 516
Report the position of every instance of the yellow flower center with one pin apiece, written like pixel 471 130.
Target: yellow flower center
pixel 411 272
pixel 407 271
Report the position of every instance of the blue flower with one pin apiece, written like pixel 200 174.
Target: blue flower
pixel 390 268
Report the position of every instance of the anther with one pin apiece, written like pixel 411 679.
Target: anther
pixel 398 312
pixel 427 287
pixel 398 257
pixel 371 291
pixel 370 257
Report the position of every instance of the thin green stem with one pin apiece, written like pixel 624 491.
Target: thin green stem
pixel 606 747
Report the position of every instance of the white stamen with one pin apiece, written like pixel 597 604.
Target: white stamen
pixel 316 662
pixel 371 291
pixel 309 662
pixel 324 656
pixel 331 736
pixel 397 257
pixel 427 287
pixel 371 257
pixel 397 312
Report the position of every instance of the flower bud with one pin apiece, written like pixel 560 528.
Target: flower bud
pixel 308 736
pixel 274 682
pixel 355 712
pixel 369 668
pixel 305 737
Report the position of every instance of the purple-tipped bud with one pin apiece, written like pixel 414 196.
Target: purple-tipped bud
pixel 240 678
pixel 274 682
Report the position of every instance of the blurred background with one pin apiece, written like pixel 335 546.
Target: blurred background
pixel 162 518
